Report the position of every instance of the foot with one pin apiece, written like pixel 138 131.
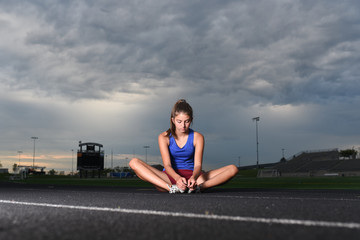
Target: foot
pixel 197 189
pixel 175 189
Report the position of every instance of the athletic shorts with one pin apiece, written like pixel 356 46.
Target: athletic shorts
pixel 182 172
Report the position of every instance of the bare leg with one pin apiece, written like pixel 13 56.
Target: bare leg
pixel 217 177
pixel 149 174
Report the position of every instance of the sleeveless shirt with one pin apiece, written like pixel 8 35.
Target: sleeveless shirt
pixel 182 158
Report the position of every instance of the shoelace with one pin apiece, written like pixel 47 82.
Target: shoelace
pixel 196 190
pixel 174 189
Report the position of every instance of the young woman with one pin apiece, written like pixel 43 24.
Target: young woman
pixel 182 150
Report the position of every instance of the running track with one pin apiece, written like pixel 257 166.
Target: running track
pixel 69 212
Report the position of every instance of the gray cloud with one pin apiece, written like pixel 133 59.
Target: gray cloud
pixel 227 46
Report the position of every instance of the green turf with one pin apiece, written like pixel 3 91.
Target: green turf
pixel 245 179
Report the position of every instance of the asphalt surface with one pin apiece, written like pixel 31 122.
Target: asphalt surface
pixel 71 212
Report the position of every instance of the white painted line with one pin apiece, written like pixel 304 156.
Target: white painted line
pixel 356 199
pixel 288 198
pixel 308 223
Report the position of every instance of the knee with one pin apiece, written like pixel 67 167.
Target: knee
pixel 233 169
pixel 134 162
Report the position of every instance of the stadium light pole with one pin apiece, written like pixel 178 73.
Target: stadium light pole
pixel 146 148
pixel 72 162
pixel 34 138
pixel 257 119
pixel 19 152
pixel 112 160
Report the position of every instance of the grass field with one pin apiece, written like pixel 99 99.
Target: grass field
pixel 245 179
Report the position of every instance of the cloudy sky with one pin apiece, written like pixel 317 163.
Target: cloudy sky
pixel 109 71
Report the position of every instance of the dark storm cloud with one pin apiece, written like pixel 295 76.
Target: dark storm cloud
pixel 268 48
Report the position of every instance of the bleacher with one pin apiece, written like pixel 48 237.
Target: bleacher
pixel 308 159
pixel 292 165
pixel 347 166
pixel 318 163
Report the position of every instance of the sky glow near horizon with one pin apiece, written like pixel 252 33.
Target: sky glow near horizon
pixel 110 71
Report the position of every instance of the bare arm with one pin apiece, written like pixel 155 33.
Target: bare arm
pixel 165 155
pixel 199 143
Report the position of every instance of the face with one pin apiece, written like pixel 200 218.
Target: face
pixel 182 122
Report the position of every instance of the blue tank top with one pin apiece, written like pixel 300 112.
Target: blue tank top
pixel 182 158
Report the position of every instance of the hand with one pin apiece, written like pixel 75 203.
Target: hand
pixel 191 184
pixel 181 183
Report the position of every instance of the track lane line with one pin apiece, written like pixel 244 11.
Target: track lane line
pixel 283 221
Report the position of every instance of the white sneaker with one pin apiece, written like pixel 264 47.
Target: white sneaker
pixel 174 189
pixel 196 190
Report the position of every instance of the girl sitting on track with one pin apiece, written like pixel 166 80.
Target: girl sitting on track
pixel 181 150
